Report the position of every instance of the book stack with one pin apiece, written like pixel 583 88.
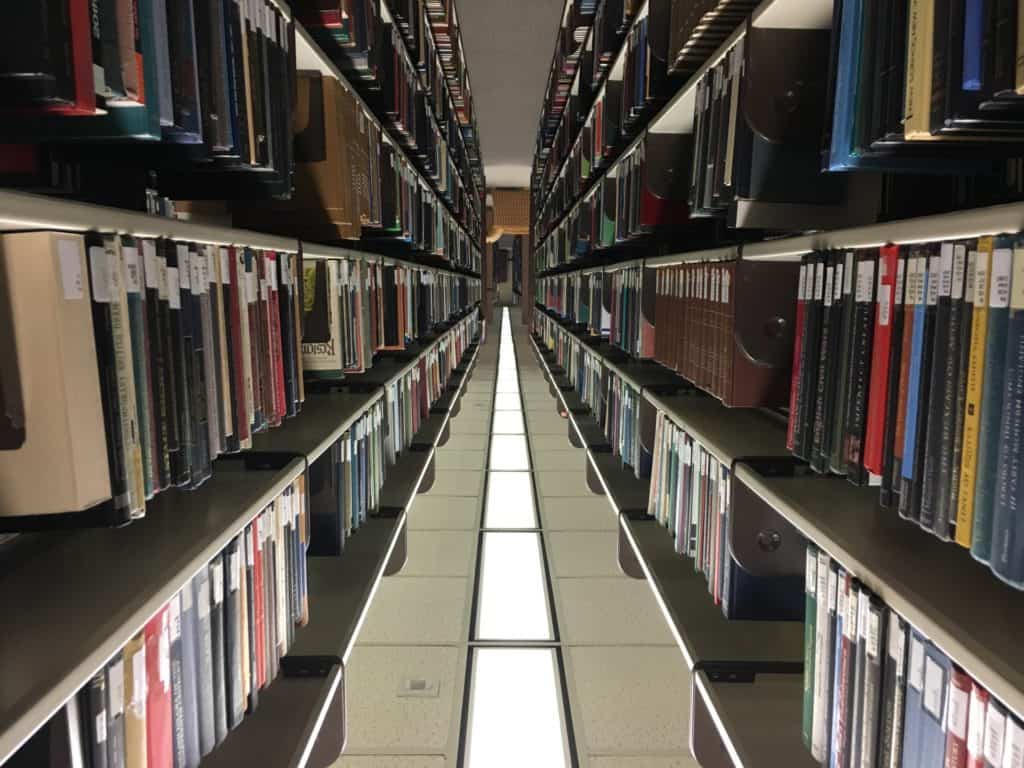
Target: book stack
pixel 630 331
pixel 699 27
pixel 925 399
pixel 345 483
pixel 710 320
pixel 645 76
pixel 877 692
pixel 621 423
pixel 216 80
pixel 179 352
pixel 925 85
pixel 611 21
pixel 196 669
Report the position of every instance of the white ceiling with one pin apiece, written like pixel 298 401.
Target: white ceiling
pixel 508 44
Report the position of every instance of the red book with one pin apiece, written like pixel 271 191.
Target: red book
pixel 275 338
pixel 80 44
pixel 159 753
pixel 878 394
pixel 976 727
pixel 234 319
pixel 960 685
pixel 798 343
pixel 257 578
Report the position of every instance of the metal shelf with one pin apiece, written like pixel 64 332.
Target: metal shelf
pixel 324 418
pixel 936 586
pixel 101 586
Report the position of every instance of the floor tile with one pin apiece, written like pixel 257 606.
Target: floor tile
pixel 444 512
pixel 583 553
pixel 460 460
pixel 390 761
pixel 631 699
pixel 610 610
pixel 569 459
pixel 470 424
pixel 550 442
pixel 421 609
pixel 457 482
pixel 440 553
pixel 573 513
pixel 379 719
pixel 539 424
pixel 464 442
pixel 562 483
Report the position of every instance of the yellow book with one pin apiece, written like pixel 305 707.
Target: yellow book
pixel 975 382
pixel 918 92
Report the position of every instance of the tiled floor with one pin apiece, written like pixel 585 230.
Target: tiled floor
pixel 628 687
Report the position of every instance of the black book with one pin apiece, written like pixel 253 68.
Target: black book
pixel 238 90
pixel 234 692
pixel 859 662
pixel 912 487
pixel 257 90
pixel 204 662
pixel 862 331
pixel 966 313
pixel 807 387
pixel 209 35
pixel 874 636
pixel 944 389
pixel 892 404
pixel 894 687
pixel 825 394
pixel 178 736
pixel 103 330
pixel 109 56
pixel 94 710
pixel 192 306
pixel 37 69
pixel 115 712
pixel 831 657
pixel 190 680
pixel 250 589
pixel 153 266
pixel 217 648
pixel 842 364
pixel 181 363
pixel 187 126
pixel 233 440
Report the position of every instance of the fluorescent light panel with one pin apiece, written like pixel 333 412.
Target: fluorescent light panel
pixel 515 710
pixel 512 603
pixel 508 453
pixel 509 501
pixel 506 401
pixel 508 423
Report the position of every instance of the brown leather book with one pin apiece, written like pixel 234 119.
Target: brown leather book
pixel 47 284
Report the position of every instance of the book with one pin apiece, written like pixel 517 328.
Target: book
pixel 976 718
pixel 891 443
pixel 859 375
pixel 116 711
pixel 135 735
pixel 881 354
pixel 159 725
pixel 205 706
pixel 890 742
pixel 959 702
pixel 810 642
pixel 218 648
pixel 94 723
pixel 917 383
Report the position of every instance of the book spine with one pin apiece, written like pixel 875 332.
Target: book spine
pixel 1007 550
pixel 823 608
pixel 844 366
pixel 177 685
pixel 878 396
pixel 159 727
pixel 94 704
pixel 909 306
pixel 799 354
pixel 136 298
pixel 152 265
pixel 135 702
pixel 116 703
pixel 957 713
pixel 960 405
pixel 992 397
pixel 975 382
pixel 860 369
pixel 873 689
pixel 890 445
pixel 976 727
pixel 821 431
pixel 218 649
pixel 204 662
pixel 812 342
pixel 914 399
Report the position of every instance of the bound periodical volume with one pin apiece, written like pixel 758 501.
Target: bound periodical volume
pixel 621 423
pixel 163 354
pixel 921 396
pixel 176 689
pixel 879 693
pixel 585 370
pixel 699 27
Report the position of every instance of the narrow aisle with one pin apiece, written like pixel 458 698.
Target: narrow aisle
pixel 595 632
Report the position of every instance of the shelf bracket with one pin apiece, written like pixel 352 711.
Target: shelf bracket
pixel 628 562
pixel 399 554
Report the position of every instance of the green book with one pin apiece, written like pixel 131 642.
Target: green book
pixel 810 626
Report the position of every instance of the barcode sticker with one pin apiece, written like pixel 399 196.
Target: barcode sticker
pixel 934 279
pixel 71 277
pixel 916 677
pixel 173 288
pixel 934 688
pixel 959 702
pixel 132 276
pixel 1002 266
pixel 138 702
pixel 848 274
pixel 99 269
pixel 865 280
pixel 115 688
pixel 225 266
pixel 995 730
pixel 959 268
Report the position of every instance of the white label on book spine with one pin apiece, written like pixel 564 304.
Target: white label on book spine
pixel 946 270
pixel 934 279
pixel 832 589
pixel 837 291
pixel 874 633
pixel 272 273
pixel 99 268
pixel 959 271
pixel 115 688
pixel 150 267
pixel 235 567
pixel 981 271
pixel 819 281
pixel 138 702
pixel 71 277
pixel 164 659
pixel 900 278
pixel 972 260
pixel 1017 290
pixel 959 703
pixel 251 285
pixel 934 687
pixel 184 268
pixel 132 275
pixel 829 274
pixel 995 730
pixel 916 677
pixel 865 280
pixel 174 609
pixel 976 723
pixel 101 727
pixel 848 274
pixel 1013 751
pixel 217 577
pixel 1002 266
pixel 225 266
pixel 173 287
pixel 850 622
pixel 203 600
pixel 801 289
pixel 811 571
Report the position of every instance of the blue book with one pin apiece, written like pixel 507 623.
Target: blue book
pixel 974 36
pixel 932 718
pixel 1007 550
pixel 912 714
pixel 916 292
pixel 992 397
pixel 841 149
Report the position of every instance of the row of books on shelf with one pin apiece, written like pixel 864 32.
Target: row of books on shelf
pixel 444 26
pixel 351 182
pixel 367 44
pixel 877 692
pixel 190 676
pixel 164 354
pixel 644 193
pixel 855 104
pixel 215 80
pixel 922 394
